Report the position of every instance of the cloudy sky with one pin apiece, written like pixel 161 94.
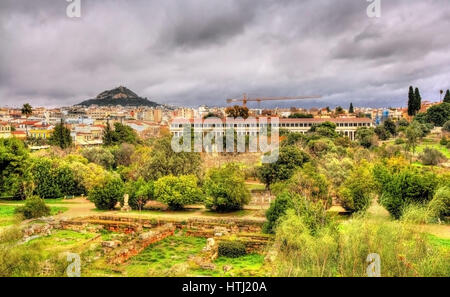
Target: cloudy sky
pixel 192 52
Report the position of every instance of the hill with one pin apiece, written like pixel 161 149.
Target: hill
pixel 119 96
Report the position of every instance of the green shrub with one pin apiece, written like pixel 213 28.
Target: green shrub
pixel 357 191
pixel 410 185
pixel 277 209
pixel 432 156
pixel 443 141
pixel 225 189
pixel 140 192
pixel 105 196
pixel 231 249
pixel 34 207
pixel 179 191
pixel 45 179
pixel 439 206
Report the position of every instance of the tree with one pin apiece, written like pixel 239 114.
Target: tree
pixel 439 114
pixel 413 134
pixel 124 134
pixel 351 110
pixel 301 116
pixel 120 134
pixel 66 181
pixel 177 192
pixel 108 135
pixel 289 159
pixel 122 154
pixel 105 197
pixel 356 193
pixel 27 110
pixel 326 129
pixel 99 155
pixel 417 100
pixel 44 177
pixel 366 137
pixel 432 156
pixel 390 127
pixel 237 112
pixel 339 110
pixel 15 177
pixel 139 193
pixel 61 136
pixel 406 187
pixel 382 133
pixel 277 210
pixel 446 126
pixel 447 97
pixel 310 184
pixel 411 102
pixel 225 188
pixel 164 161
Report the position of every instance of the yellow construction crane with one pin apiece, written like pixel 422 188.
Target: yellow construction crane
pixel 246 99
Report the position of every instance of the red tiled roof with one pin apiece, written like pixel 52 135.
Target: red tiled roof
pixel 18 132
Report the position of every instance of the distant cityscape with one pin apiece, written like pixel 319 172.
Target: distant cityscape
pixel 87 123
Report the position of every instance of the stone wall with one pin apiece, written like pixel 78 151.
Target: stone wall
pixel 137 245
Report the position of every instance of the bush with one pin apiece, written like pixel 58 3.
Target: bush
pixel 443 141
pixel 177 192
pixel 231 249
pixel 277 209
pixel 446 126
pixel 432 156
pixel 139 193
pixel 105 196
pixel 439 206
pixel 290 158
pixel 34 207
pixel 405 187
pixel 225 189
pixel 357 191
pixel 45 179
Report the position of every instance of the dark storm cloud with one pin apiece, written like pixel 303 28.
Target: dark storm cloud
pixel 195 52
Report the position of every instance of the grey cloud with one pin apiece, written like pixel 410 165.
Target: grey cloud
pixel 195 52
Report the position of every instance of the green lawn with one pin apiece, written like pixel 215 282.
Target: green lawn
pixel 7 216
pixel 47 201
pixel 444 150
pixel 257 187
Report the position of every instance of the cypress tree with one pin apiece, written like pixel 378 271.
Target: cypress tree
pixel 411 100
pixel 447 97
pixel 108 137
pixel 351 110
pixel 417 101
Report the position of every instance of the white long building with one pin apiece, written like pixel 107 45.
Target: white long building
pixel 345 126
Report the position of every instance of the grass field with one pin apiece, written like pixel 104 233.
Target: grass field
pixel 7 215
pixel 444 150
